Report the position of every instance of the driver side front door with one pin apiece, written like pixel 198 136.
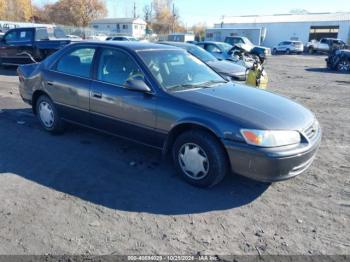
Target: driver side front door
pixel 118 110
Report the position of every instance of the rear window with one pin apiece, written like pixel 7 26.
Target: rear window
pixel 49 33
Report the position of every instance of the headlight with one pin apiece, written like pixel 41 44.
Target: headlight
pixel 267 138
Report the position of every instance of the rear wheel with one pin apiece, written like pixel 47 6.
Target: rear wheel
pixel 199 158
pixel 274 51
pixel 48 115
pixel 343 65
pixel 287 51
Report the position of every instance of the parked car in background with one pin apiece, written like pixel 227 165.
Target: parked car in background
pixel 164 97
pixel 26 45
pixel 1 35
pixel 121 38
pixel 98 37
pixel 289 47
pixel 218 49
pixel 74 37
pixel 224 68
pixel 323 45
pixel 339 59
pixel 245 43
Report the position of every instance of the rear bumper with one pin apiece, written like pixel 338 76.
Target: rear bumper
pixel 271 165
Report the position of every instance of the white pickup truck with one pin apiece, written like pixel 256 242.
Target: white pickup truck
pixel 323 45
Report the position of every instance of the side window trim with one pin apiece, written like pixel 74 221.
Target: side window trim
pixel 53 66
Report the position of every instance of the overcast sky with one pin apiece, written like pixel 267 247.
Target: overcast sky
pixel 211 11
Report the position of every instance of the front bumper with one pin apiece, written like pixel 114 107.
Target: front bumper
pixel 271 165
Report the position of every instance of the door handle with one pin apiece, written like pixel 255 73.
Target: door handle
pixel 49 83
pixel 96 94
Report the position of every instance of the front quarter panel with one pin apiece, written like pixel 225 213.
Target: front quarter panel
pixel 173 112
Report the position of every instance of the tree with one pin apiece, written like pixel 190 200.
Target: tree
pixel 199 30
pixel 166 18
pixel 76 13
pixel 16 10
pixel 3 9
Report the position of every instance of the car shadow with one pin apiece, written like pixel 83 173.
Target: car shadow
pixel 109 171
pixel 324 70
pixel 8 71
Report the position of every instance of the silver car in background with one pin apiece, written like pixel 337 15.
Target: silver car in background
pixel 289 47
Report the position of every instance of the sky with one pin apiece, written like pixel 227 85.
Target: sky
pixel 212 11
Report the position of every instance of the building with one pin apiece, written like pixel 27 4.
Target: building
pixel 271 29
pixel 135 27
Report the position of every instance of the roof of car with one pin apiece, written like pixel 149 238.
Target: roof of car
pixel 130 45
pixel 177 44
pixel 213 42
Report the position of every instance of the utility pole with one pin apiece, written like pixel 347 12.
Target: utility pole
pixel 174 19
pixel 134 9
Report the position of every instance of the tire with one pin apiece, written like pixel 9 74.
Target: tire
pixel 48 115
pixel 343 65
pixel 287 52
pixel 211 157
pixel 274 51
pixel 311 50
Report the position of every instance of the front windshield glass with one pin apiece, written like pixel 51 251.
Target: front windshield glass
pixel 201 54
pixel 224 46
pixel 247 41
pixel 177 70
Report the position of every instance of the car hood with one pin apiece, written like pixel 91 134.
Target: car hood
pixel 227 68
pixel 251 107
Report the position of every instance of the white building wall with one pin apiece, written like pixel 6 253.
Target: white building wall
pixel 278 32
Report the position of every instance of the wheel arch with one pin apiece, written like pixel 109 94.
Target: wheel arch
pixel 35 96
pixel 185 126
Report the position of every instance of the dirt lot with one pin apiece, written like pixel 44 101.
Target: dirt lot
pixel 86 193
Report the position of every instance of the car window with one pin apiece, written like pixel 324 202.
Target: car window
pixel 178 69
pixel 323 41
pixel 201 54
pixel 25 36
pixel 116 67
pixel 213 49
pixel 11 36
pixel 77 62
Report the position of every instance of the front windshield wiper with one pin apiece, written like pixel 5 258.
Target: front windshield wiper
pixel 211 83
pixel 182 87
pixel 207 84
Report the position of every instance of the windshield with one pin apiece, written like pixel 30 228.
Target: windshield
pixel 201 54
pixel 224 46
pixel 178 70
pixel 247 41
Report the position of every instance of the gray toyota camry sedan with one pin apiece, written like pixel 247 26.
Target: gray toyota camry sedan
pixel 164 97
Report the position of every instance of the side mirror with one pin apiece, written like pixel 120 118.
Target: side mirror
pixel 137 85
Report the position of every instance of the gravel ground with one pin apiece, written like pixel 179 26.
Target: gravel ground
pixel 86 193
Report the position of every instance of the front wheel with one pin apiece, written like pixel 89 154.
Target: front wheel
pixel 287 52
pixel 343 65
pixel 48 115
pixel 199 158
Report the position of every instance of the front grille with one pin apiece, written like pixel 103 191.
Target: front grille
pixel 311 131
